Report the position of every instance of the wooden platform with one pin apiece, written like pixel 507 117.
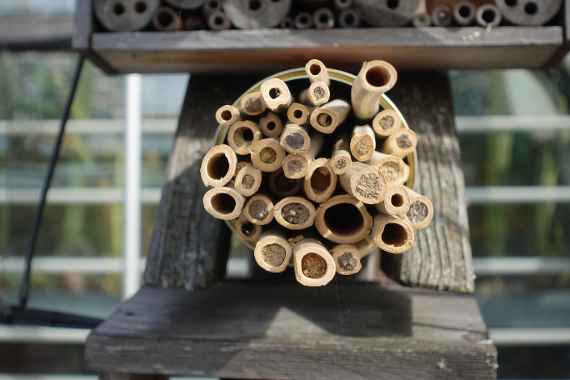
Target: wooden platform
pixel 279 331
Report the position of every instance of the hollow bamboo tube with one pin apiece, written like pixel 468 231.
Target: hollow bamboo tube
pixel 464 13
pixel 401 143
pixel 347 259
pixel 295 139
pixel 342 4
pixel 374 79
pixel 328 117
pixel 211 6
pixel 276 94
pixel 218 20
pixel 422 20
pixel 227 115
pixel 224 203
pixel 281 186
pixel 420 213
pixel 343 219
pixel 363 182
pixel 323 18
pixel 294 213
pixel 320 181
pixel 267 155
pixel 271 125
pixel 303 20
pixel 340 160
pixel 316 95
pixel 363 143
pixel 273 252
pixel 248 179
pixel 314 265
pixel 317 71
pixel 386 123
pixel 246 230
pixel 442 15
pixel 241 136
pixel 252 104
pixel 295 166
pixel 488 16
pixel 396 201
pixel 392 168
pixel 218 165
pixel 392 235
pixel 167 20
pixel 259 209
pixel 349 18
pixel 298 114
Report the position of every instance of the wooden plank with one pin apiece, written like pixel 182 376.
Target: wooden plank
pixel 82 25
pixel 408 48
pixel 269 330
pixel 35 32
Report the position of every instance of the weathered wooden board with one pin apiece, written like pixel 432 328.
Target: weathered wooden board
pixel 276 331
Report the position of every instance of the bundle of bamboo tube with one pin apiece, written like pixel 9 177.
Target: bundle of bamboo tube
pixel 318 181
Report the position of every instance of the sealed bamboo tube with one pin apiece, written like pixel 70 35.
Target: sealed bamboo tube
pixel 314 265
pixel 316 95
pixel 298 114
pixel 271 125
pixel 386 123
pixel 320 181
pixel 396 201
pixel 276 94
pixel 442 15
pixel 347 259
pixel 295 166
pixel 303 20
pixel 392 235
pixel 295 139
pixel 317 71
pixel 167 20
pixel 252 104
pixel 273 252
pixel 363 142
pixel 227 115
pixel 420 213
pixel 349 18
pixel 294 213
pixel 422 20
pixel 223 203
pixel 259 210
pixel 328 117
pixel 267 155
pixel 401 143
pixel 242 135
pixel 374 79
pixel 248 179
pixel 464 13
pixel 281 186
pixel 340 160
pixel 392 168
pixel 363 182
pixel 218 165
pixel 343 219
pixel 246 230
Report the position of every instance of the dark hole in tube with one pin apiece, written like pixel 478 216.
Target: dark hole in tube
pixel 223 203
pixel 344 219
pixel 378 76
pixel 394 234
pixel 218 166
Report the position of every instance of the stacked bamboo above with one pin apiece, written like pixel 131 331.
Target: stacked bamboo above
pixel 319 180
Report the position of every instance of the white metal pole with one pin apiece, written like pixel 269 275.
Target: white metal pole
pixel 132 196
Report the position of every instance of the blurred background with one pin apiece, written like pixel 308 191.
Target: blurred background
pixel 514 131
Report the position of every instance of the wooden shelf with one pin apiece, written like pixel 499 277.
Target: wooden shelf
pixel 273 49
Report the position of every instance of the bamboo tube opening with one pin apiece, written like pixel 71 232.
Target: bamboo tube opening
pixel 295 166
pixel 317 94
pixel 363 143
pixel 166 19
pixel 295 139
pixel 393 235
pixel 464 13
pixel 320 182
pixel 227 115
pixel 218 166
pixel 386 122
pixel 271 125
pixel 401 143
pixel 364 183
pixel 343 219
pixel 303 20
pixel 295 213
pixel 259 209
pixel 378 76
pixel 347 259
pixel 246 230
pixel 421 212
pixel 314 265
pixel 488 15
pixel 317 71
pixel 374 79
pixel 241 136
pixel 396 201
pixel 298 114
pixel 248 180
pixel 273 252
pixel 392 168
pixel 328 117
pixel 276 94
pixel 252 104
pixel 267 155
pixel 223 203
pixel 282 186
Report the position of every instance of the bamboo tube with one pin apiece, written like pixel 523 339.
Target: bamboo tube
pixel 295 166
pixel 252 104
pixel 392 235
pixel 388 13
pixel 464 13
pixel 488 16
pixel 246 230
pixel 340 160
pixel 420 213
pixel 323 18
pixel 218 20
pixel 294 213
pixel 276 94
pixel 422 20
pixel 303 20
pixel 374 79
pixel 286 23
pixel 396 201
pixel 529 13
pixel 295 139
pixel 248 179
pixel 298 114
pixel 281 186
pixel 343 219
pixel 218 165
pixel 256 14
pixel 227 115
pixel 363 143
pixel 242 135
pixel 186 4
pixel 363 182
pixel 316 95
pixel 393 169
pixel 386 123
pixel 259 210
pixel 341 5
pixel 271 125
pixel 124 16
pixel 314 265
pixel 349 18
pixel 167 20
pixel 328 117
pixel 320 181
pixel 317 71
pixel 211 6
pixel 223 203
pixel 273 252
pixel 442 15
pixel 267 155
pixel 401 143
pixel 347 259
